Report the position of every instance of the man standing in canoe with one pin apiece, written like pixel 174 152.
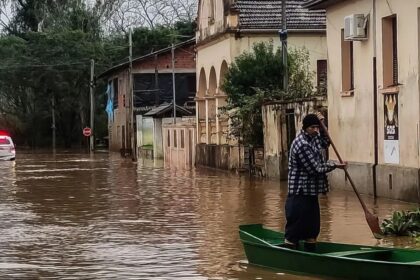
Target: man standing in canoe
pixel 307 178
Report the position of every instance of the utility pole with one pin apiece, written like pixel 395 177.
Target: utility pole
pixel 92 105
pixel 173 80
pixel 283 39
pixel 157 98
pixel 132 134
pixel 53 122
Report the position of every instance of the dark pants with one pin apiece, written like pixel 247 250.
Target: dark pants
pixel 302 217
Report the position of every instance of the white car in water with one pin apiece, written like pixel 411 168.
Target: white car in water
pixel 7 148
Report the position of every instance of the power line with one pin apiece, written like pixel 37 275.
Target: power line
pixel 43 65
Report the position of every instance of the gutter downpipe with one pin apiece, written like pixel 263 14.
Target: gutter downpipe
pixel 375 101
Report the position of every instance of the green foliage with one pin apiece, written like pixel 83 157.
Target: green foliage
pixel 27 16
pixel 74 16
pixel 185 28
pixel 300 77
pixel 251 70
pixel 146 40
pixel 257 77
pixel 50 15
pixel 402 223
pixel 41 67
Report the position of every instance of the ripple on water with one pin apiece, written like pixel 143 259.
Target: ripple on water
pixel 73 216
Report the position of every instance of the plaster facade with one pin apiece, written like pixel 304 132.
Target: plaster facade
pixel 359 119
pixel 282 121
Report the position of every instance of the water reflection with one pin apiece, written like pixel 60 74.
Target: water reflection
pixel 76 216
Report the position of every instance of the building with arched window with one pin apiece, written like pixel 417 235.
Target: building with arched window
pixel 227 28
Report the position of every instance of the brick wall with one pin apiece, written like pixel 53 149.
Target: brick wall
pixel 184 58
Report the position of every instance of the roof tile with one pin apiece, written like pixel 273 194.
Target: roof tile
pixel 266 14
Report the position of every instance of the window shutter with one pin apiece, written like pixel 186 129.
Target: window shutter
pixel 321 71
pixel 394 52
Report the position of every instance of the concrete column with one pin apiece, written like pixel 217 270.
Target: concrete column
pixel 217 120
pixel 207 123
pixel 197 120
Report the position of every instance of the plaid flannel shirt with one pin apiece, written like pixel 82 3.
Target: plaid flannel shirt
pixel 307 165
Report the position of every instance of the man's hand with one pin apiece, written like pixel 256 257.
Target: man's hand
pixel 341 165
pixel 320 116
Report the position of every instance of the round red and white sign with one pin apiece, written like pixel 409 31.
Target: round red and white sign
pixel 87 131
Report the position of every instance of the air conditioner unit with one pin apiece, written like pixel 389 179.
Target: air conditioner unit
pixel 355 27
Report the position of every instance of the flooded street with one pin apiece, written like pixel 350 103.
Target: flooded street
pixel 74 216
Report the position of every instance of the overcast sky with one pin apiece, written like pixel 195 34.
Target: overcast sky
pixel 5 13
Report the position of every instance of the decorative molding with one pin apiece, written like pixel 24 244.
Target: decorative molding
pixel 389 90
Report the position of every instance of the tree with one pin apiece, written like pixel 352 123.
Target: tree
pixel 149 14
pixel 40 15
pixel 300 77
pixel 46 56
pixel 146 40
pixel 4 14
pixel 256 77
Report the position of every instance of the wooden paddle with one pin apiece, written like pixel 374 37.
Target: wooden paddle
pixel 371 219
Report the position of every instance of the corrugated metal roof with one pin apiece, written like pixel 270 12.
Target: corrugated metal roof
pixel 165 107
pixel 266 14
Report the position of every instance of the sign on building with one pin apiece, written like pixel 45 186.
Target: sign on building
pixel 391 143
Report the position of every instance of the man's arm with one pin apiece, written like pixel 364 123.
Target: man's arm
pixel 309 162
pixel 323 141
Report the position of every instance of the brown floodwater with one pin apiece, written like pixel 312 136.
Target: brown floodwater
pixel 76 216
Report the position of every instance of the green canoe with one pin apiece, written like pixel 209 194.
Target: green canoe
pixel 330 259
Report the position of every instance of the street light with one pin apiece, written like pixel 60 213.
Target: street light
pixel 173 80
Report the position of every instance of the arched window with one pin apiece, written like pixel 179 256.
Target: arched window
pixel 223 71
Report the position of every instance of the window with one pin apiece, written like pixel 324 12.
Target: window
pixel 192 84
pixel 115 88
pixel 347 70
pixel 4 141
pixel 169 138
pixel 321 75
pixel 182 139
pixel 389 51
pixel 175 140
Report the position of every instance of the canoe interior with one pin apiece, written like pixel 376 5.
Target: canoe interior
pixel 256 234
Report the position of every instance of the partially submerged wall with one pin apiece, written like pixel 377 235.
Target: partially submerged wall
pixel 282 121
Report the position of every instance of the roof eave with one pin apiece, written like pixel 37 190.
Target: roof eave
pixel 320 4
pixel 309 30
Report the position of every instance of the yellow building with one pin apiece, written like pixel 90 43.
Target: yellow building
pixel 373 93
pixel 227 28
